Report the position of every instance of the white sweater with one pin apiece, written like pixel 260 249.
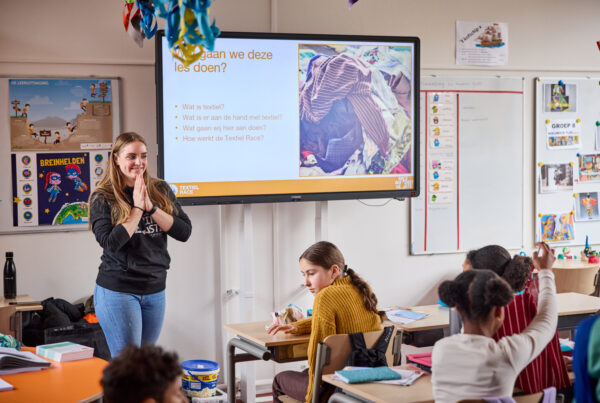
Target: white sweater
pixel 474 366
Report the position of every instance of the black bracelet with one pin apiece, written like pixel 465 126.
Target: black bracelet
pixel 138 208
pixel 153 209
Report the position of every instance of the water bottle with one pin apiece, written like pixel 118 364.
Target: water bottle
pixel 10 277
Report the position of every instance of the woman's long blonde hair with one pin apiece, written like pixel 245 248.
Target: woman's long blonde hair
pixel 112 185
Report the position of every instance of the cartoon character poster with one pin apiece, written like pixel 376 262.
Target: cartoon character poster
pixel 63 188
pixel 587 206
pixel 557 227
pixel 60 114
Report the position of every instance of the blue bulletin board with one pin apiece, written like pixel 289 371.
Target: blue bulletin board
pixel 58 135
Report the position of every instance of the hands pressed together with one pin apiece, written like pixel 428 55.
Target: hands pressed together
pixel 141 199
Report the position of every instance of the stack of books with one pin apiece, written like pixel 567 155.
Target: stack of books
pixel 65 351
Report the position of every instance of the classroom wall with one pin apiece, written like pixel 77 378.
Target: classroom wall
pixel 74 38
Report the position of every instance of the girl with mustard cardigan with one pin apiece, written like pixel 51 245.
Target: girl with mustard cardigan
pixel 344 303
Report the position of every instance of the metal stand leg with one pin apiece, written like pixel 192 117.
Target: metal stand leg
pixel 253 352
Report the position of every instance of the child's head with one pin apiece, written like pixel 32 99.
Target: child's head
pixel 143 374
pixel 322 263
pixel 478 296
pixel 515 270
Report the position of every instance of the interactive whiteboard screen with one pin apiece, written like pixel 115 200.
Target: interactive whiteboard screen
pixel 276 117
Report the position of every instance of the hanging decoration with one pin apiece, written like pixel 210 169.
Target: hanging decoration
pixel 188 29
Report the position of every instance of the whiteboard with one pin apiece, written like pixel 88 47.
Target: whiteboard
pixel 576 129
pixel 22 196
pixel 472 164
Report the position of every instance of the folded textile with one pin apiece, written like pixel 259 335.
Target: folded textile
pixel 361 375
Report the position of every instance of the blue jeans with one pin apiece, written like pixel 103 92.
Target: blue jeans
pixel 129 318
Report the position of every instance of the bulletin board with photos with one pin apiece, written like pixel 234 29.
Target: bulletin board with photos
pixel 59 132
pixel 567 160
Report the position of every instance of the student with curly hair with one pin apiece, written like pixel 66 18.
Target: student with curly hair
pixel 473 364
pixel 344 303
pixel 549 368
pixel 144 374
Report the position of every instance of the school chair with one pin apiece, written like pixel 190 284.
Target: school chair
pixel 581 280
pixel 333 352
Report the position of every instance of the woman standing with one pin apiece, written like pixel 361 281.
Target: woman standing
pixel 131 215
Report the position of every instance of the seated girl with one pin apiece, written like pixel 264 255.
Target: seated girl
pixel 549 368
pixel 344 303
pixel 473 364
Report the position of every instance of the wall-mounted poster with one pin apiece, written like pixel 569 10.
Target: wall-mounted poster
pixel 556 178
pixel 60 114
pixel 587 206
pixel 557 227
pixel 53 188
pixel 560 97
pixel 589 167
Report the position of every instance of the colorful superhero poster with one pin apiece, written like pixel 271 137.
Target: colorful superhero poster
pixel 63 183
pixel 560 97
pixel 60 114
pixel 587 206
pixel 556 178
pixel 589 167
pixel 557 227
pixel 355 110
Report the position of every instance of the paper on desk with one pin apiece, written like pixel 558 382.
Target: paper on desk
pixel 5 385
pixel 408 377
pixel 404 316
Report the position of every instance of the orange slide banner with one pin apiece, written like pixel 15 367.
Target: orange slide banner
pixel 295 186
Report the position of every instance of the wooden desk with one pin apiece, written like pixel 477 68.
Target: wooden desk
pixel 419 391
pixel 11 315
pixel 63 382
pixel 574 275
pixel 252 338
pixel 572 309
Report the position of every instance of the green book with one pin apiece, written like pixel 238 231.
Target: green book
pixel 65 351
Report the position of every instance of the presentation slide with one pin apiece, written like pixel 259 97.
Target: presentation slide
pixel 281 116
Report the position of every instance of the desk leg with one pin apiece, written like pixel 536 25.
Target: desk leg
pixel 253 352
pixel 342 398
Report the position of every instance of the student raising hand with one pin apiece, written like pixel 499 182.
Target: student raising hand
pixel 545 259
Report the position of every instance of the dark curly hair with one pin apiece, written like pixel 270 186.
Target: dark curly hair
pixel 138 373
pixel 515 270
pixel 475 293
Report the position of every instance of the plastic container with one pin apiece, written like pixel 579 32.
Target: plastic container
pixel 199 378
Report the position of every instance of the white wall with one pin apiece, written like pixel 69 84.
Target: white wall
pixel 75 38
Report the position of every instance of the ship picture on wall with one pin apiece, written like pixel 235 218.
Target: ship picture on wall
pixel 491 37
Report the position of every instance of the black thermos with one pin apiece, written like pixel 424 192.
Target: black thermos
pixel 10 277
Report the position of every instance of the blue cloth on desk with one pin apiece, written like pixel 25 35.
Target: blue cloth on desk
pixel 360 375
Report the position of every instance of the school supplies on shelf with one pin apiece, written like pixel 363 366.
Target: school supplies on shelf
pixel 65 351
pixel 404 316
pixel 13 361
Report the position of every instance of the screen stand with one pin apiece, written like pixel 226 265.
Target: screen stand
pixel 321 221
pixel 246 267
